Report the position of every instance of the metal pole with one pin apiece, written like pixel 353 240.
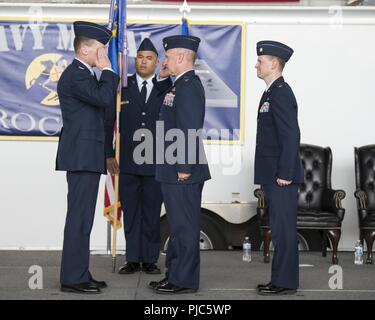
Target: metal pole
pixel 109 232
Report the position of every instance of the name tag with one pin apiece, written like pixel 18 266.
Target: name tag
pixel 265 107
pixel 168 100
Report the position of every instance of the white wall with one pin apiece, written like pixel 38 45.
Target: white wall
pixel 33 199
pixel 331 74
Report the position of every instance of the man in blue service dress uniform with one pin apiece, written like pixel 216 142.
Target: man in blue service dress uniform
pixel 182 178
pixel 278 168
pixel 81 151
pixel 140 193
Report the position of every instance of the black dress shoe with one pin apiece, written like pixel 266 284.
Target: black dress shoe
pixel 264 286
pixel 155 284
pixel 169 288
pixel 99 284
pixel 150 268
pixel 129 268
pixel 86 287
pixel 276 291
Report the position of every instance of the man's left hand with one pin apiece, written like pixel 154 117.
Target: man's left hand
pixel 183 176
pixel 283 183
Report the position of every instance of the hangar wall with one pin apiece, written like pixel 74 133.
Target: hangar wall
pixel 331 74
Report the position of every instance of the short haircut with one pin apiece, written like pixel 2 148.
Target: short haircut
pixel 78 41
pixel 191 55
pixel 194 56
pixel 281 63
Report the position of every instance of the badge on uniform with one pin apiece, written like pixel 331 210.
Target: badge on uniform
pixel 265 107
pixel 168 100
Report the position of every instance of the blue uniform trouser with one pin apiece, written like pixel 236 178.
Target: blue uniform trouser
pixel 282 207
pixel 141 201
pixel 82 195
pixel 183 206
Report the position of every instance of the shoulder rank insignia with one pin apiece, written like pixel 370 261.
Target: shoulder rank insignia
pixel 82 68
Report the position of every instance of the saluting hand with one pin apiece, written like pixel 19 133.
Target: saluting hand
pixel 164 72
pixel 112 166
pixel 102 60
pixel 283 183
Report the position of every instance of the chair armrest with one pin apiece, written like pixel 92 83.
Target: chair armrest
pixel 332 201
pixel 361 199
pixel 262 210
pixel 259 194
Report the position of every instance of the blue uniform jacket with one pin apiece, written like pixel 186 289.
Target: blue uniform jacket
pixel 183 108
pixel 135 115
pixel 83 100
pixel 278 136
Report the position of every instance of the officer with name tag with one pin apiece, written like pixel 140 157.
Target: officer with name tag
pixel 81 150
pixel 182 166
pixel 278 168
pixel 140 193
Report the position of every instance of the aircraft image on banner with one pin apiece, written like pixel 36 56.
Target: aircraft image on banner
pixel 218 94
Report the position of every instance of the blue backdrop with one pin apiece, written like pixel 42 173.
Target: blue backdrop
pixel 33 56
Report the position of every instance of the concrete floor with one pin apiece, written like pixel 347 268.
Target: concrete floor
pixel 223 277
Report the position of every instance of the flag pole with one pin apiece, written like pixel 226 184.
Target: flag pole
pixel 121 37
pixel 117 156
pixel 184 9
pixel 109 224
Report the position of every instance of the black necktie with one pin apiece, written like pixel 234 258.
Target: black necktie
pixel 94 75
pixel 264 96
pixel 144 91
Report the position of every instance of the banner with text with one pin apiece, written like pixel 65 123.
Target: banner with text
pixel 34 55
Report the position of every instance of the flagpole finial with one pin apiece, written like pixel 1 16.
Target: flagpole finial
pixel 185 8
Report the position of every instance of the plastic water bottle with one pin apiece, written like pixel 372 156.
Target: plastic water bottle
pixel 246 255
pixel 358 253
